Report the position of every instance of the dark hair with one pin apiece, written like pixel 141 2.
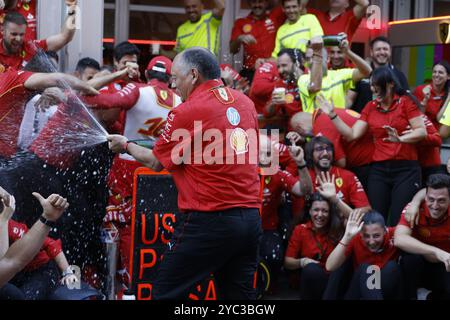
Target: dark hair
pixel 283 1
pixel 296 56
pixel 309 149
pixel 40 63
pixel 16 18
pixel 125 48
pixel 384 75
pixel 161 76
pixel 439 181
pixel 380 38
pixel 446 66
pixel 374 217
pixel 202 60
pixel 335 227
pixel 85 63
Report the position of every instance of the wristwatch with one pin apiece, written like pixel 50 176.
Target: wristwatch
pixel 44 220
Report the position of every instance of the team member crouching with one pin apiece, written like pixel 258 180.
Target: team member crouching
pixel 371 246
pixel 426 238
pixel 310 245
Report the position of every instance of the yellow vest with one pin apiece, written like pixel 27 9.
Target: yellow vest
pixel 203 33
pixel 296 35
pixel 334 88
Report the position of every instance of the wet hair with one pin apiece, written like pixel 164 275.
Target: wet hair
pixel 160 76
pixel 296 56
pixel 383 76
pixel 446 65
pixel 16 18
pixel 309 149
pixel 40 63
pixel 125 48
pixel 335 226
pixel 439 181
pixel 374 217
pixel 85 63
pixel 202 60
pixel 381 39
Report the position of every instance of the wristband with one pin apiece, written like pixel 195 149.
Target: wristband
pixel 301 167
pixel 67 272
pixel 44 220
pixel 341 243
pixel 125 146
pixel 333 117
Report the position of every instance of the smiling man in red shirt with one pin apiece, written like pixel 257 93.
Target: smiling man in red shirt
pixel 428 241
pixel 15 51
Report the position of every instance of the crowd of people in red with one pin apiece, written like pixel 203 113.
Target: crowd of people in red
pixel 367 183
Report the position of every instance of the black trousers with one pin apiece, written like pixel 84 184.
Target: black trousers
pixel 225 243
pixel 419 272
pixel 37 284
pixel 11 292
pixel 392 184
pixel 427 171
pixel 6 179
pixel 390 287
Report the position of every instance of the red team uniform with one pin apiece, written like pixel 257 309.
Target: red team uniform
pixel 264 30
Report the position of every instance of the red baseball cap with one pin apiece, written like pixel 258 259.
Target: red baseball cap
pixel 166 62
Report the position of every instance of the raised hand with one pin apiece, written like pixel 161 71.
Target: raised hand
pixel 53 206
pixel 50 97
pixel 393 135
pixel 354 224
pixel 8 209
pixel 295 137
pixel 326 188
pixel 324 105
pixel 297 154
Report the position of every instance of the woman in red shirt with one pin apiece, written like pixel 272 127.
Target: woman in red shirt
pixel 395 174
pixel 371 246
pixel 432 96
pixel 310 245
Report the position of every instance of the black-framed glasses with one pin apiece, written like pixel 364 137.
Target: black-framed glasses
pixel 323 148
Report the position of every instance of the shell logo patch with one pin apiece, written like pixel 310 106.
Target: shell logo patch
pixel 424 232
pixel 289 98
pixel 353 113
pixel 163 94
pixel 233 116
pixel 247 28
pixel 239 141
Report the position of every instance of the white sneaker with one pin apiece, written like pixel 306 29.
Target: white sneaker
pixel 422 294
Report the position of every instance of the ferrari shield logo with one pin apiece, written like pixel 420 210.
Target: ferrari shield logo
pixel 163 94
pixel 443 31
pixel 339 182
pixel 223 94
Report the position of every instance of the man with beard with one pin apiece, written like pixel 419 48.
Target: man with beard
pixel 380 54
pixel 291 68
pixel 319 156
pixel 15 52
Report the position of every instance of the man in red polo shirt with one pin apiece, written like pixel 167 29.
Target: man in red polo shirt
pixel 355 155
pixel 15 51
pixel 219 198
pixel 340 19
pixel 427 243
pixel 319 155
pixel 256 33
